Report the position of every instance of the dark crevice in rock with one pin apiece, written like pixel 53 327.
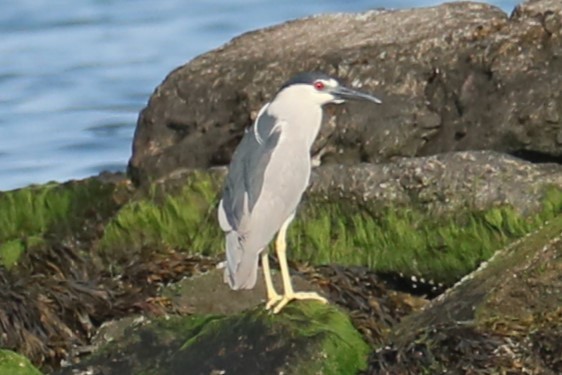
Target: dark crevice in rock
pixel 537 157
pixel 413 285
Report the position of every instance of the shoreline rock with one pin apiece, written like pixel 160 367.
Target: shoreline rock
pixel 454 77
pixel 158 235
pixel 495 319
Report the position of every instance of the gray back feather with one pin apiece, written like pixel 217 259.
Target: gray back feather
pixel 247 169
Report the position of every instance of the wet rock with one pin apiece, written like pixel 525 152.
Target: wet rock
pixel 459 76
pixel 372 305
pixel 436 217
pixel 99 251
pixel 306 338
pixel 506 317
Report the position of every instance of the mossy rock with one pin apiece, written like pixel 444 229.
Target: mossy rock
pixel 305 338
pixel 179 214
pixel 56 211
pixel 401 238
pixel 502 318
pixel 14 364
pixel 96 226
pixel 408 240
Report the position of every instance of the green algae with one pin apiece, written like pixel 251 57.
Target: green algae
pixel 343 350
pixel 15 364
pixel 10 252
pixel 27 215
pixel 400 239
pixel 408 240
pixel 55 208
pixel 305 338
pixel 31 211
pixel 504 317
pixel 185 220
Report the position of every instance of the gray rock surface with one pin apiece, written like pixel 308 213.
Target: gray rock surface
pixel 442 184
pixel 454 77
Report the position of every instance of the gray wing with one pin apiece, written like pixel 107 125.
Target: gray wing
pixel 266 179
pixel 247 169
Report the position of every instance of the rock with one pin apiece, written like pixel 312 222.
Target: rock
pixel 459 76
pixel 440 185
pixel 307 338
pixel 506 317
pixel 14 364
pixel 207 294
pixel 374 303
pixel 372 306
pixel 434 217
pixel 438 217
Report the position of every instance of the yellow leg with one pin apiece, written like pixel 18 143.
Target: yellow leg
pixel 289 294
pixel 272 296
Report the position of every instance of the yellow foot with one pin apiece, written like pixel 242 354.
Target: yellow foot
pixel 285 299
pixel 272 300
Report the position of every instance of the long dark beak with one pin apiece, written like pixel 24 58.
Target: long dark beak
pixel 343 93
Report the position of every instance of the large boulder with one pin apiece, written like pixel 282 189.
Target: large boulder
pixel 308 338
pixel 458 76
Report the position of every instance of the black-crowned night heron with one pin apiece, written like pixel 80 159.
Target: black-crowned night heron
pixel 267 177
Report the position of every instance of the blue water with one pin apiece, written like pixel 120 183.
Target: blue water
pixel 75 74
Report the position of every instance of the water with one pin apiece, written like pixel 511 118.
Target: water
pixel 75 74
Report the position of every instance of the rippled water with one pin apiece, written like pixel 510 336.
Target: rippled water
pixel 75 74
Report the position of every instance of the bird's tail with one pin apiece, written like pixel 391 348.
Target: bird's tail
pixel 241 266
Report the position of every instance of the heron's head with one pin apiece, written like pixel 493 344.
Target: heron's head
pixel 321 89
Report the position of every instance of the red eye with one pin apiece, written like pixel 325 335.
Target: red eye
pixel 319 85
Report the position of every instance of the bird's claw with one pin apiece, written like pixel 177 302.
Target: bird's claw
pixel 278 302
pixel 272 301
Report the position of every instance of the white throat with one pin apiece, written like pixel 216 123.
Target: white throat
pixel 299 115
